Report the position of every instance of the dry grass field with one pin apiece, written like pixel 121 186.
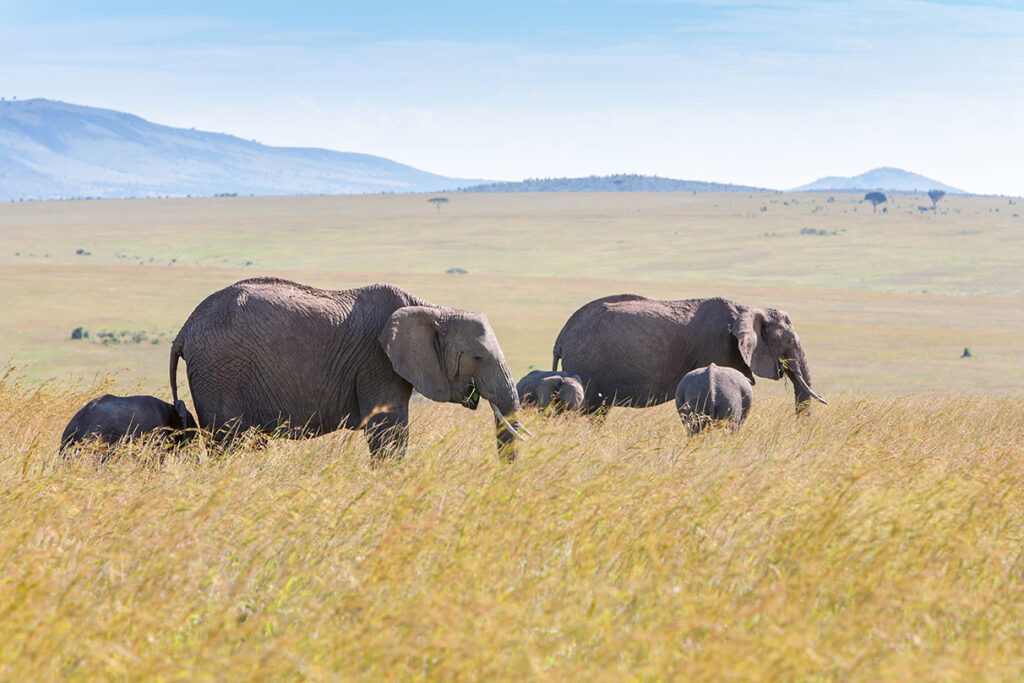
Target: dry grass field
pixel 879 537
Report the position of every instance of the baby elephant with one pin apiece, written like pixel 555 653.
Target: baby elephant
pixel 115 418
pixel 544 388
pixel 713 393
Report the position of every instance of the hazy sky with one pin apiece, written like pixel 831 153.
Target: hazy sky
pixel 773 94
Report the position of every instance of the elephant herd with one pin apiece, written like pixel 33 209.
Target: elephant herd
pixel 282 358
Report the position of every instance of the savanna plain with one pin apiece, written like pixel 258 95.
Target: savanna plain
pixel 880 536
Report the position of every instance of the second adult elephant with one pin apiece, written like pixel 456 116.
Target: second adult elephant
pixel 633 351
pixel 266 353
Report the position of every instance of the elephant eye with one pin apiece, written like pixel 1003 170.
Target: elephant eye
pixel 478 358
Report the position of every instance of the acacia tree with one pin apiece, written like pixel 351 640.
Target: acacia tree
pixel 438 201
pixel 935 196
pixel 875 198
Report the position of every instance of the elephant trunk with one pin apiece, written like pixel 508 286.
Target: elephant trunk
pixel 500 391
pixel 800 375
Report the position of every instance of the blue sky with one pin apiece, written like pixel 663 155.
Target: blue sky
pixel 765 93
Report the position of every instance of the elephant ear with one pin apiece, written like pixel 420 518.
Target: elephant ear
pixel 546 390
pixel 748 328
pixel 411 342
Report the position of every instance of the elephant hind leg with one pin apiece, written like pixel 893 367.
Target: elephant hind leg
pixel 596 414
pixel 224 436
pixel 595 404
pixel 746 400
pixel 688 418
pixel 697 423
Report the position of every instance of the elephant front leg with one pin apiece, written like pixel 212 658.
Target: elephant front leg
pixel 387 436
pixel 385 420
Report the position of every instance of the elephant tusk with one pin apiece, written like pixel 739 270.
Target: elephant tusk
pixel 508 425
pixel 797 377
pixel 525 430
pixel 512 429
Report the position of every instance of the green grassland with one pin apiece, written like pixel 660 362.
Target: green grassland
pixel 875 538
pixel 883 302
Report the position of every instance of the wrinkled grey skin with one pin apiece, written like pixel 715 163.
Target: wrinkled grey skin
pixel 543 388
pixel 713 393
pixel 285 358
pixel 112 419
pixel 633 351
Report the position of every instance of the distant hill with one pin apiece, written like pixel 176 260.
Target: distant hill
pixel 53 150
pixel 886 179
pixel 611 183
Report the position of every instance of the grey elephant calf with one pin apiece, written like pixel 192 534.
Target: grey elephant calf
pixel 544 388
pixel 713 393
pixel 112 419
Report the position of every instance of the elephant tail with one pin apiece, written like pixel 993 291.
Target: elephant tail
pixel 175 355
pixel 556 351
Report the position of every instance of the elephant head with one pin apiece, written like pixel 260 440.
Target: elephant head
pixel 560 392
pixel 453 357
pixel 771 348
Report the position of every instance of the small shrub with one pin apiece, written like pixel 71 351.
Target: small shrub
pixel 112 337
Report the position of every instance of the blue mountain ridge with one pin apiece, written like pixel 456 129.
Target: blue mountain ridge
pixel 886 179
pixel 53 150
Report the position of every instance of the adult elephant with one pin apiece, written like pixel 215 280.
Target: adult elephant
pixel 282 357
pixel 633 351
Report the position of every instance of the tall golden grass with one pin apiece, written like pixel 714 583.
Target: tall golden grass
pixel 872 538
